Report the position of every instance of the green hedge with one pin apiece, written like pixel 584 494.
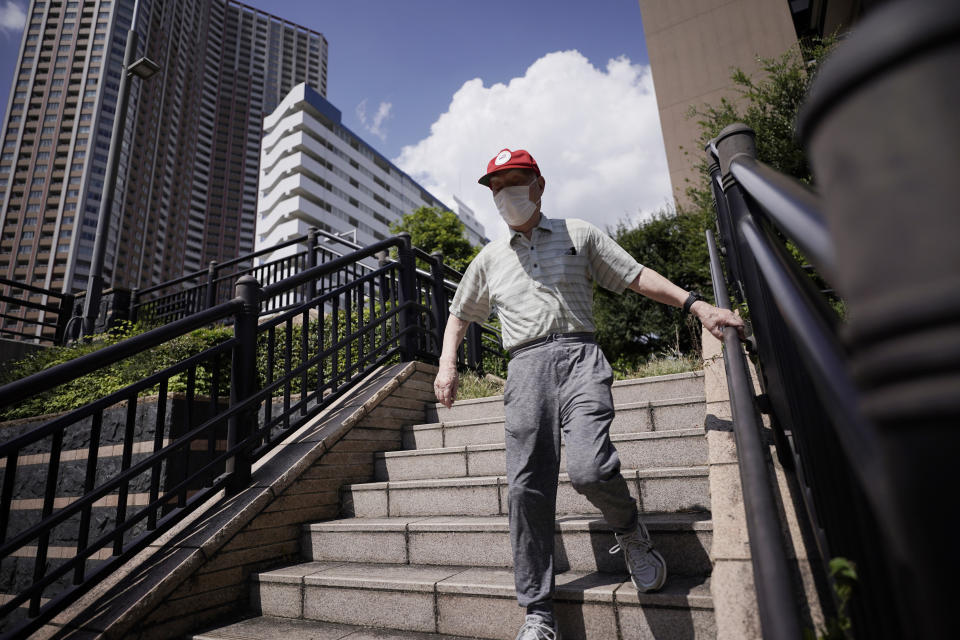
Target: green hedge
pixel 109 379
pixel 369 341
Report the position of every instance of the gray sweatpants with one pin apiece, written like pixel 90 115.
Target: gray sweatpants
pixel 562 385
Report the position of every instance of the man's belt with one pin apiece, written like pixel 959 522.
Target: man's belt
pixel 581 336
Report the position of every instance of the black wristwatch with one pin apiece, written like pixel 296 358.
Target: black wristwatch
pixel 693 297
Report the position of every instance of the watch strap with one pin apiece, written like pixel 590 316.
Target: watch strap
pixel 693 297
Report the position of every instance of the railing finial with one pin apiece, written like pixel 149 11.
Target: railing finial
pixel 733 141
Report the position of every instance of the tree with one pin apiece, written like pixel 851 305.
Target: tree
pixel 769 105
pixel 632 329
pixel 433 229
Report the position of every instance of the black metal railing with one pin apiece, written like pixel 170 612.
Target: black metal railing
pixel 208 287
pixel 191 429
pixel 819 430
pixel 34 313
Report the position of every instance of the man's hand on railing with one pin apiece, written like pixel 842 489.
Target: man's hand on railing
pixel 715 319
pixel 446 383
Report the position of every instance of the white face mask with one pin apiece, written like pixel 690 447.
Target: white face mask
pixel 514 204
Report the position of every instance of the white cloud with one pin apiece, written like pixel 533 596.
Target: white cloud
pixel 594 133
pixel 13 17
pixel 375 126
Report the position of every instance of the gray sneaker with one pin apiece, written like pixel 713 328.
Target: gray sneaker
pixel 647 567
pixel 535 628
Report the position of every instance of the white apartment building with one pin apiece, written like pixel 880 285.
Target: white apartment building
pixel 315 172
pixel 469 219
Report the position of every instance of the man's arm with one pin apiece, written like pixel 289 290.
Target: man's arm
pixel 446 383
pixel 653 285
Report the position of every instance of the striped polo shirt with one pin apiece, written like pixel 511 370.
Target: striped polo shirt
pixel 543 285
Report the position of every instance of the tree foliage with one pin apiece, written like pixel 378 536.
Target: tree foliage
pixel 93 386
pixel 768 103
pixel 433 229
pixel 632 329
pixel 271 351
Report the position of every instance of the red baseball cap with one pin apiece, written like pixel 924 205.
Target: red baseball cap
pixel 507 159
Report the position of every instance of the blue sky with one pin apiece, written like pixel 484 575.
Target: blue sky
pixel 454 81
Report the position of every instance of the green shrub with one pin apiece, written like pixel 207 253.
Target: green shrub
pixel 335 330
pixel 118 375
pixel 214 372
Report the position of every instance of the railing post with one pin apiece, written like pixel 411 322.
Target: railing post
pixel 64 313
pixel 243 381
pixel 475 347
pixel 313 241
pixel 777 606
pixel 211 285
pixel 723 221
pixel 407 290
pixel 132 310
pixel 831 485
pixel 439 300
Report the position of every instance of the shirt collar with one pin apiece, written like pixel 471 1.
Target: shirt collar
pixel 546 224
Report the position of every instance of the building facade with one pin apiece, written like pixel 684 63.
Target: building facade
pixel 474 230
pixel 315 172
pixel 186 189
pixel 694 46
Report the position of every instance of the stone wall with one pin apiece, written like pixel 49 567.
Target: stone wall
pixel 11 350
pixel 33 467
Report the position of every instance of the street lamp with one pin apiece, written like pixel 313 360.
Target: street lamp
pixel 142 68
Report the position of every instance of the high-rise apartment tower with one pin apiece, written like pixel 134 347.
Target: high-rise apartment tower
pixel 187 181
pixel 315 172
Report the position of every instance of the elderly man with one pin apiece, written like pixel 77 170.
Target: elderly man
pixel 540 280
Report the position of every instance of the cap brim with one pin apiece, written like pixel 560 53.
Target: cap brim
pixel 485 180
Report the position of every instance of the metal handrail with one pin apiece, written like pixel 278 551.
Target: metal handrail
pixel 820 431
pixel 249 257
pixel 63 308
pixel 824 353
pixel 205 286
pixel 50 378
pixel 792 207
pixel 778 608
pixel 387 312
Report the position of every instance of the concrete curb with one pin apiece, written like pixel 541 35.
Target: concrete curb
pixel 198 572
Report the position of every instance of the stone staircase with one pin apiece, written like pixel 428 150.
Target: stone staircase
pixel 424 552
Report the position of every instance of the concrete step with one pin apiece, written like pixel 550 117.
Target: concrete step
pixel 480 602
pixel 675 448
pixel 662 490
pixel 582 542
pixel 635 417
pixel 273 628
pixel 677 385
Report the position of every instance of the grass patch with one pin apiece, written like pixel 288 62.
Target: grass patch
pixel 473 386
pixel 661 367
